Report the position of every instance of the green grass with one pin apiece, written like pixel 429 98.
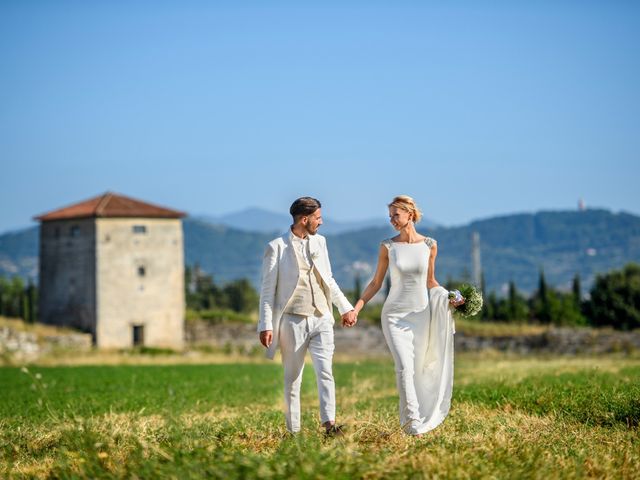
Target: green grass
pixel 510 418
pixel 590 397
pixel 168 390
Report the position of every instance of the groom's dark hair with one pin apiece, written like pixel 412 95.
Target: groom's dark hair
pixel 304 206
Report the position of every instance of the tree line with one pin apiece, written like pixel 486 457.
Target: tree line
pixel 18 299
pixel 203 294
pixel 614 300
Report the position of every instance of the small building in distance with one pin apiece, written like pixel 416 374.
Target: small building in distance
pixel 113 266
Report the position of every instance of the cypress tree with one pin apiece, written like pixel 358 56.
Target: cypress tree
pixel 492 306
pixel 357 288
pixel 484 314
pixel 544 314
pixel 577 291
pixel 513 294
pixel 22 305
pixel 30 302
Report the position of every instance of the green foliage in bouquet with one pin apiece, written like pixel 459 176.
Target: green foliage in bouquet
pixel 472 300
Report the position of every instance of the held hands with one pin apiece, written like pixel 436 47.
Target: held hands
pixel 266 337
pixel 349 319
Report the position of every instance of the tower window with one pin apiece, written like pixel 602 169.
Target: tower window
pixel 142 271
pixel 140 229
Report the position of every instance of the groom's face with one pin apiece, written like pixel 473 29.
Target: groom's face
pixel 312 222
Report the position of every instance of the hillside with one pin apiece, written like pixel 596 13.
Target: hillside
pixel 563 243
pixel 513 247
pixel 19 253
pixel 226 252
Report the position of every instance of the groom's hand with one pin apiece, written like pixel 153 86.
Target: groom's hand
pixel 266 337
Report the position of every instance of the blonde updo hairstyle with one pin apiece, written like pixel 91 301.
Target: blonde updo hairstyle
pixel 407 204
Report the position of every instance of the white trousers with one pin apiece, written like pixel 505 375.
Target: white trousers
pixel 297 335
pixel 402 340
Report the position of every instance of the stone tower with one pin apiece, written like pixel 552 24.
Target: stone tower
pixel 114 266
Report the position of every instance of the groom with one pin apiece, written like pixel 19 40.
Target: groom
pixel 296 310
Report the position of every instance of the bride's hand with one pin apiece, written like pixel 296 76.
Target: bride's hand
pixel 457 303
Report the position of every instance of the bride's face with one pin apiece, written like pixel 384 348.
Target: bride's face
pixel 399 218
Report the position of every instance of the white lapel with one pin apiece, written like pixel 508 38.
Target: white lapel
pixel 315 251
pixel 289 258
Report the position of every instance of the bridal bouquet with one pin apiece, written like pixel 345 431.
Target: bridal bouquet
pixel 472 300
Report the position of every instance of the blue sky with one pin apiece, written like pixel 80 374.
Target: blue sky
pixel 474 108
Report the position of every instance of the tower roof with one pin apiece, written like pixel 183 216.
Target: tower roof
pixel 110 205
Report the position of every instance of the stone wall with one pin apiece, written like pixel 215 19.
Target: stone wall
pixel 563 341
pixel 369 340
pixel 364 339
pixel 23 346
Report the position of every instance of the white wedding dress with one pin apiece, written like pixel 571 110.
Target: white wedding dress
pixel 419 328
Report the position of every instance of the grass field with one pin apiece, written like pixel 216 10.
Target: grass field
pixel 510 418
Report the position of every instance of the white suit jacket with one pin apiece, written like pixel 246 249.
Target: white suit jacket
pixel 280 273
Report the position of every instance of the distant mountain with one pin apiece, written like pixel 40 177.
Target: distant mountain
pixel 513 247
pixel 19 253
pixel 225 252
pixel 261 220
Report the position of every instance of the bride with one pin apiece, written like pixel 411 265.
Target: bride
pixel 416 320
